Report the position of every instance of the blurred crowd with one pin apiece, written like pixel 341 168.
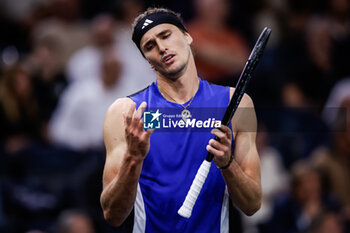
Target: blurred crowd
pixel 63 62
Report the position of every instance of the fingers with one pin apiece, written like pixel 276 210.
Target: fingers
pixel 128 116
pixel 140 110
pixel 221 152
pixel 224 133
pixel 133 122
pixel 214 151
pixel 136 118
pixel 221 149
pixel 226 130
pixel 218 145
pixel 133 116
pixel 147 134
pixel 137 138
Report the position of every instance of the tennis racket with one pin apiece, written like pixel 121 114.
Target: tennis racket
pixel 202 173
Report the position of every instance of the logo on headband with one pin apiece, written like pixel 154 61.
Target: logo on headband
pixel 146 23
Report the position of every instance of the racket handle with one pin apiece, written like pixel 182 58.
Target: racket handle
pixel 192 195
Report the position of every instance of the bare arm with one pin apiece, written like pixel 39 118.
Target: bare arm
pixel 127 144
pixel 243 175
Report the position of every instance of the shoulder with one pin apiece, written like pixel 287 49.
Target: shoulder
pixel 244 120
pixel 214 88
pixel 113 127
pixel 119 106
pixel 114 114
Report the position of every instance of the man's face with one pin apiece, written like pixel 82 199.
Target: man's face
pixel 167 49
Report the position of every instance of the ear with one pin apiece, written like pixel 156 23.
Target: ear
pixel 189 38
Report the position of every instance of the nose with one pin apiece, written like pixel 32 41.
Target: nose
pixel 162 47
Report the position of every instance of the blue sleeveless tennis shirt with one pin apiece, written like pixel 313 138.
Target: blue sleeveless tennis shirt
pixel 171 165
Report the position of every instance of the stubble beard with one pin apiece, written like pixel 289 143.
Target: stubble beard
pixel 177 73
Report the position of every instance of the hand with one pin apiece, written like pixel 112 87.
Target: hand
pixel 221 150
pixel 137 139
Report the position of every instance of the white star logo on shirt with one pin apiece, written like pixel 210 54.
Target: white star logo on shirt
pixel 156 115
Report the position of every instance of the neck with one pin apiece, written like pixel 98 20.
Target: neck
pixel 182 88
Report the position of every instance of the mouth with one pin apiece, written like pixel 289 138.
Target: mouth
pixel 167 59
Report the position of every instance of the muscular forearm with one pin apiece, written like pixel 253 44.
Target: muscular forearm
pixel 244 191
pixel 118 197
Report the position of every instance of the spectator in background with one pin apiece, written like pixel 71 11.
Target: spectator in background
pixel 86 62
pixel 339 93
pixel 298 128
pixel 269 15
pixel 16 19
pixel 339 14
pixel 319 42
pixel 319 48
pixel 220 51
pixel 293 96
pixel 339 20
pixel 315 46
pixel 309 198
pixel 45 64
pixel 65 25
pixel 111 35
pixel 265 88
pixel 77 122
pixel 136 72
pixel 20 118
pixel 297 48
pixel 327 222
pixel 335 163
pixel 74 221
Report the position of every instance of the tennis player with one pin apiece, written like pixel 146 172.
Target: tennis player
pixel 148 173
